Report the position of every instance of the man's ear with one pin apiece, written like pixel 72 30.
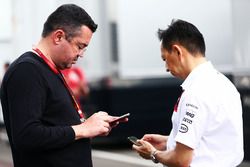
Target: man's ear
pixel 177 50
pixel 57 36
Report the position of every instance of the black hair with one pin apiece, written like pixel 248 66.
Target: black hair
pixel 185 34
pixel 69 18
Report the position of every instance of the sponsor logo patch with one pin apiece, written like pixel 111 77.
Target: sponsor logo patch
pixel 187 120
pixel 191 105
pixel 183 128
pixel 190 114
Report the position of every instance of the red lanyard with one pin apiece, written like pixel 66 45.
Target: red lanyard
pixel 56 71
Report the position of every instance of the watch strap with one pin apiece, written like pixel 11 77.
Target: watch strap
pixel 152 156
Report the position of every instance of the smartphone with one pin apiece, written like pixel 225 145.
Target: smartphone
pixel 120 118
pixel 134 139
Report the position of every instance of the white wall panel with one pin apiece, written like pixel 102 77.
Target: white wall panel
pixel 138 21
pixel 241 31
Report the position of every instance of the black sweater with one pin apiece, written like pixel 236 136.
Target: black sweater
pixel 38 113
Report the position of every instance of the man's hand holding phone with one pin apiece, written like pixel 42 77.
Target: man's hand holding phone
pixel 134 139
pixel 117 120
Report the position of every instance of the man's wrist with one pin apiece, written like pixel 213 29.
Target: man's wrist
pixel 153 156
pixel 79 132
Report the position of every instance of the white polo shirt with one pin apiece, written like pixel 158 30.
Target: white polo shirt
pixel 209 119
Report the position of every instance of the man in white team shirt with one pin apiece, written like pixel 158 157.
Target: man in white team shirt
pixel 207 128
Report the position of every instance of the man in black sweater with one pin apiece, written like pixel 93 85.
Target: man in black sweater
pixel 44 123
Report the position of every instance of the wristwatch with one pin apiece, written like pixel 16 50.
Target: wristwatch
pixel 152 156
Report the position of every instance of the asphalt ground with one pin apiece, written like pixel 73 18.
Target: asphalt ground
pixel 111 156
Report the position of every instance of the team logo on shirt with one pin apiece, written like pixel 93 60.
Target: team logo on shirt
pixel 183 128
pixel 188 118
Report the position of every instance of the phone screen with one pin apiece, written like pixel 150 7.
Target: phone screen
pixel 134 139
pixel 120 118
